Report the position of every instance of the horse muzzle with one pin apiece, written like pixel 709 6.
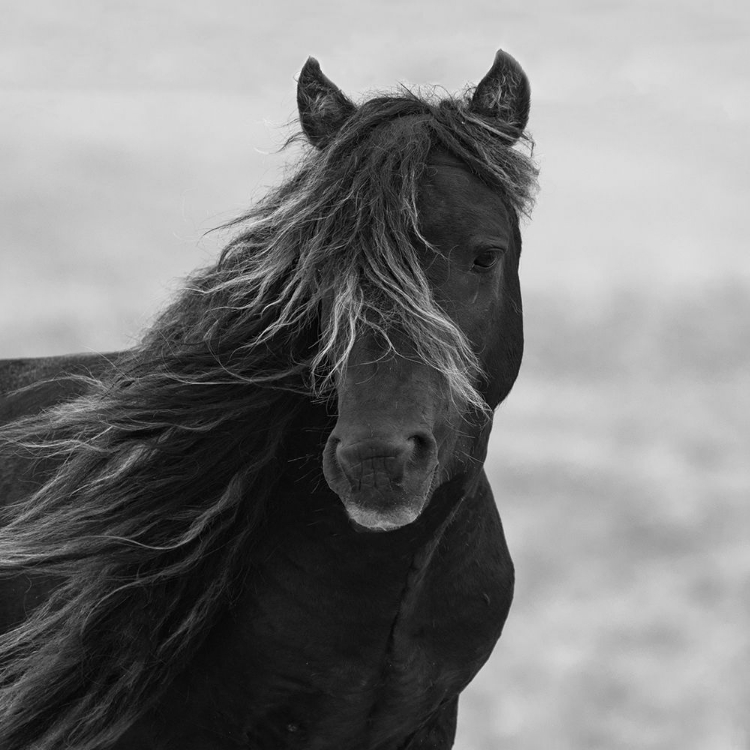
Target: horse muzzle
pixel 384 481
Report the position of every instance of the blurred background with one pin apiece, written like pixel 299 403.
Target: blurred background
pixel 620 461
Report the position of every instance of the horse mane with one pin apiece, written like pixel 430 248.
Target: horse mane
pixel 163 467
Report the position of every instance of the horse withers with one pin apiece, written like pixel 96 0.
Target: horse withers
pixel 267 525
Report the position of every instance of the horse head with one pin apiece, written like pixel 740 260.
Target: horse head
pixel 402 429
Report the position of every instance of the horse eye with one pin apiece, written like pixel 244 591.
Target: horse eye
pixel 486 259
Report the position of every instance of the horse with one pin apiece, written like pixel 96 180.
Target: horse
pixel 267 525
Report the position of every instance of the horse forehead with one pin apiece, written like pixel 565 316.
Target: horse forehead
pixel 452 199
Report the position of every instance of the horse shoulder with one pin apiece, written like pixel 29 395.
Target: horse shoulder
pixel 469 583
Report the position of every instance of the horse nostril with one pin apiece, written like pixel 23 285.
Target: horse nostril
pixel 424 445
pixel 420 440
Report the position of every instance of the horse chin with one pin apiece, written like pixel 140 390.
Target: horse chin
pixel 367 519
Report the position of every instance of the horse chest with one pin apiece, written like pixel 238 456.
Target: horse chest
pixel 352 643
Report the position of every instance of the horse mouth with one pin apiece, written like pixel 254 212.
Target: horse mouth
pixel 366 520
pixel 377 509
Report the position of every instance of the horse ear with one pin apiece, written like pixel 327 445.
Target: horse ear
pixel 323 108
pixel 504 93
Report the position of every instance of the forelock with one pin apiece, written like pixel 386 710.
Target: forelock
pixel 345 228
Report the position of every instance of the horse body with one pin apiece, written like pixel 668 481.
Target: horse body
pixel 348 606
pixel 27 386
pixel 339 638
pixel 345 639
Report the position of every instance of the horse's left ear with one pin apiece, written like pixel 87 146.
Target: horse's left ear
pixel 504 93
pixel 323 108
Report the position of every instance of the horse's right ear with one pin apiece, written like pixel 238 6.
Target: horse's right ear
pixel 323 108
pixel 504 93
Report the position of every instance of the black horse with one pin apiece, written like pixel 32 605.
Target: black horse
pixel 267 525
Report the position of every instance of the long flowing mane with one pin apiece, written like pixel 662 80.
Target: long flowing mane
pixel 161 470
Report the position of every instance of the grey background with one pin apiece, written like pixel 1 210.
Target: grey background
pixel 620 461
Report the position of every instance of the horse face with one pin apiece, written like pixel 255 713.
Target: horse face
pixel 399 435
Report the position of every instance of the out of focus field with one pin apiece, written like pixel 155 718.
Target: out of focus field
pixel 621 461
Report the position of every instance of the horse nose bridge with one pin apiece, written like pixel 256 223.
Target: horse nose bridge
pixel 396 390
